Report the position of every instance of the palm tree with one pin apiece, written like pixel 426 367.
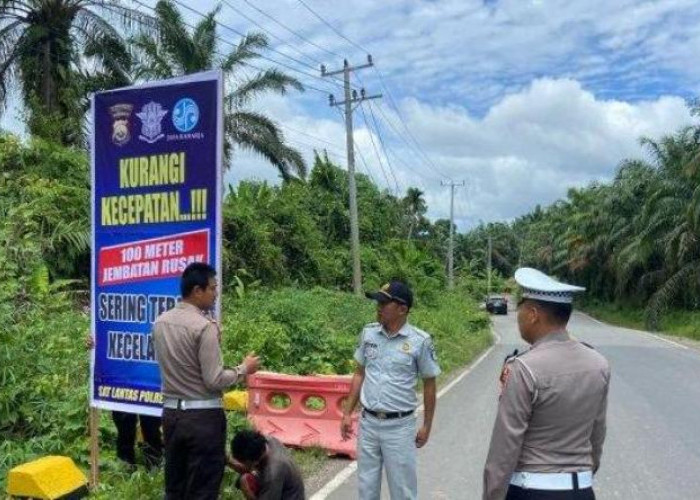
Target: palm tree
pixel 669 224
pixel 415 206
pixel 174 51
pixel 45 46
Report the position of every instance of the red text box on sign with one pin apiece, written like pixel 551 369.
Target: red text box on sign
pixel 154 258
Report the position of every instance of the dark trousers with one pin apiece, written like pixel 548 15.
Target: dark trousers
pixel 195 453
pixel 126 437
pixel 518 493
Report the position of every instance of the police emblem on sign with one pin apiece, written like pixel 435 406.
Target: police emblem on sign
pixel 151 115
pixel 120 123
pixel 185 114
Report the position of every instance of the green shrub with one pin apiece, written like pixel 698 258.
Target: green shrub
pixel 44 365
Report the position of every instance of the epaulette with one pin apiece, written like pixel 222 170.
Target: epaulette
pixel 511 357
pixel 421 333
pixel 372 325
pixel 587 345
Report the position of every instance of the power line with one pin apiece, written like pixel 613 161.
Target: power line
pixel 292 68
pixel 336 31
pixel 402 120
pixel 386 88
pixel 299 142
pixel 362 159
pixel 400 136
pixel 243 35
pixel 415 146
pixel 336 153
pixel 374 147
pixel 290 30
pixel 266 30
pixel 335 144
pixel 362 156
pixel 410 146
pixel 381 143
pixel 369 128
pixel 286 28
pixel 333 152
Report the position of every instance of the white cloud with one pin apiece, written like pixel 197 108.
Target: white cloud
pixel 531 147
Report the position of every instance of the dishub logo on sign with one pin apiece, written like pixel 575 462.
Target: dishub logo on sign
pixel 156 210
pixel 185 114
pixel 151 115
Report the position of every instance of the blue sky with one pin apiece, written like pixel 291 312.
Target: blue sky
pixel 522 99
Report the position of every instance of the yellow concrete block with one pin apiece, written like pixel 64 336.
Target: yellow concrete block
pixel 236 401
pixel 46 478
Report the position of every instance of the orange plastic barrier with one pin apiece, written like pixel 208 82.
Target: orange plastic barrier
pixel 301 411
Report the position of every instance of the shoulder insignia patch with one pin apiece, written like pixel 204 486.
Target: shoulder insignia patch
pixel 505 372
pixel 431 349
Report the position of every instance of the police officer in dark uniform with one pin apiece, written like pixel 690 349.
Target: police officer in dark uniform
pixel 548 436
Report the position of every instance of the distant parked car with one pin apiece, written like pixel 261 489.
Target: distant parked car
pixel 497 304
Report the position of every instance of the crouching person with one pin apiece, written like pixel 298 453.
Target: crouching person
pixel 267 471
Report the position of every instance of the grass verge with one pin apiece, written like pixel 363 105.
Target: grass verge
pixel 44 371
pixel 685 324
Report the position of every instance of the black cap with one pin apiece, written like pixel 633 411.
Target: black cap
pixel 397 291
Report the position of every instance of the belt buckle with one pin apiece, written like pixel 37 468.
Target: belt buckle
pixel 381 415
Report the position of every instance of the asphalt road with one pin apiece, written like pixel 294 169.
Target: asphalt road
pixel 653 447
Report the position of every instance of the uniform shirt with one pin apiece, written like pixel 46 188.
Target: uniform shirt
pixel 189 355
pixel 280 479
pixel 551 415
pixel 392 366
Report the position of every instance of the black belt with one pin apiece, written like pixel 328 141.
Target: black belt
pixel 388 415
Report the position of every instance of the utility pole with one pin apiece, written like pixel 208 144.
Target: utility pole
pixel 488 267
pixel 352 97
pixel 450 251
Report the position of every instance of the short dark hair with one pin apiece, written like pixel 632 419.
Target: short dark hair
pixel 196 274
pixel 560 313
pixel 248 446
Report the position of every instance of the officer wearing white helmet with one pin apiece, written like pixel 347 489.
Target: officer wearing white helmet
pixel 550 426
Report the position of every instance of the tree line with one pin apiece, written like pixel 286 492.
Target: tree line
pixel 634 240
